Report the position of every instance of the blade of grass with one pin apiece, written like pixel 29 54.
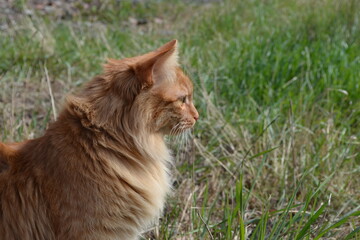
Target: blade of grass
pixel 352 234
pixel 343 220
pixel 275 232
pixel 313 218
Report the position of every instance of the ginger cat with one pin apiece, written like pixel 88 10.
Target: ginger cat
pixel 100 170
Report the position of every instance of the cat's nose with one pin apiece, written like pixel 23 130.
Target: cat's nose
pixel 196 116
pixel 194 112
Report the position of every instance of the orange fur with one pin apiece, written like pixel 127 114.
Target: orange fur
pixel 100 170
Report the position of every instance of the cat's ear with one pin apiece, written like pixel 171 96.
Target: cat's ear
pixel 158 66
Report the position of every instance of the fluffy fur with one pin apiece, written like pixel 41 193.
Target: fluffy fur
pixel 99 172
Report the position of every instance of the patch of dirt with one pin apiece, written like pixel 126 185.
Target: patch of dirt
pixel 61 9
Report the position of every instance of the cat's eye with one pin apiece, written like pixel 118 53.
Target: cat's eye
pixel 183 99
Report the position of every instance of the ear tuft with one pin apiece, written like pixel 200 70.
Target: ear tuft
pixel 158 66
pixel 172 45
pixel 164 68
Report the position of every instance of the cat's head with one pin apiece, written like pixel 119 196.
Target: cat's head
pixel 145 92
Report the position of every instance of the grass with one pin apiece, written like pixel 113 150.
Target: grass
pixel 275 154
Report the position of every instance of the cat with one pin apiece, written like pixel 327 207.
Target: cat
pixel 100 170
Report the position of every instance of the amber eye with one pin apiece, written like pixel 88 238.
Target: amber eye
pixel 183 99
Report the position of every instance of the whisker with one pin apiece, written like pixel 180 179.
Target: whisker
pixel 179 139
pixel 183 134
pixel 172 131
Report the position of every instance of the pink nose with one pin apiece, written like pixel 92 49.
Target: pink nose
pixel 196 117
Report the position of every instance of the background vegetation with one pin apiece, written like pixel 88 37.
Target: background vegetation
pixel 275 154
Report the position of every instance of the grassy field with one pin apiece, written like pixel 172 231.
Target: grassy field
pixel 275 154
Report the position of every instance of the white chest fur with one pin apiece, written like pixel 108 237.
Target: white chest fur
pixel 139 189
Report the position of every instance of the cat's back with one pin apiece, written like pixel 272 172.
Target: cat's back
pixel 4 153
pixel 8 153
pixel 22 210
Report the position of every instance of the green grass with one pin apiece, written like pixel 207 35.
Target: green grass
pixel 275 154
